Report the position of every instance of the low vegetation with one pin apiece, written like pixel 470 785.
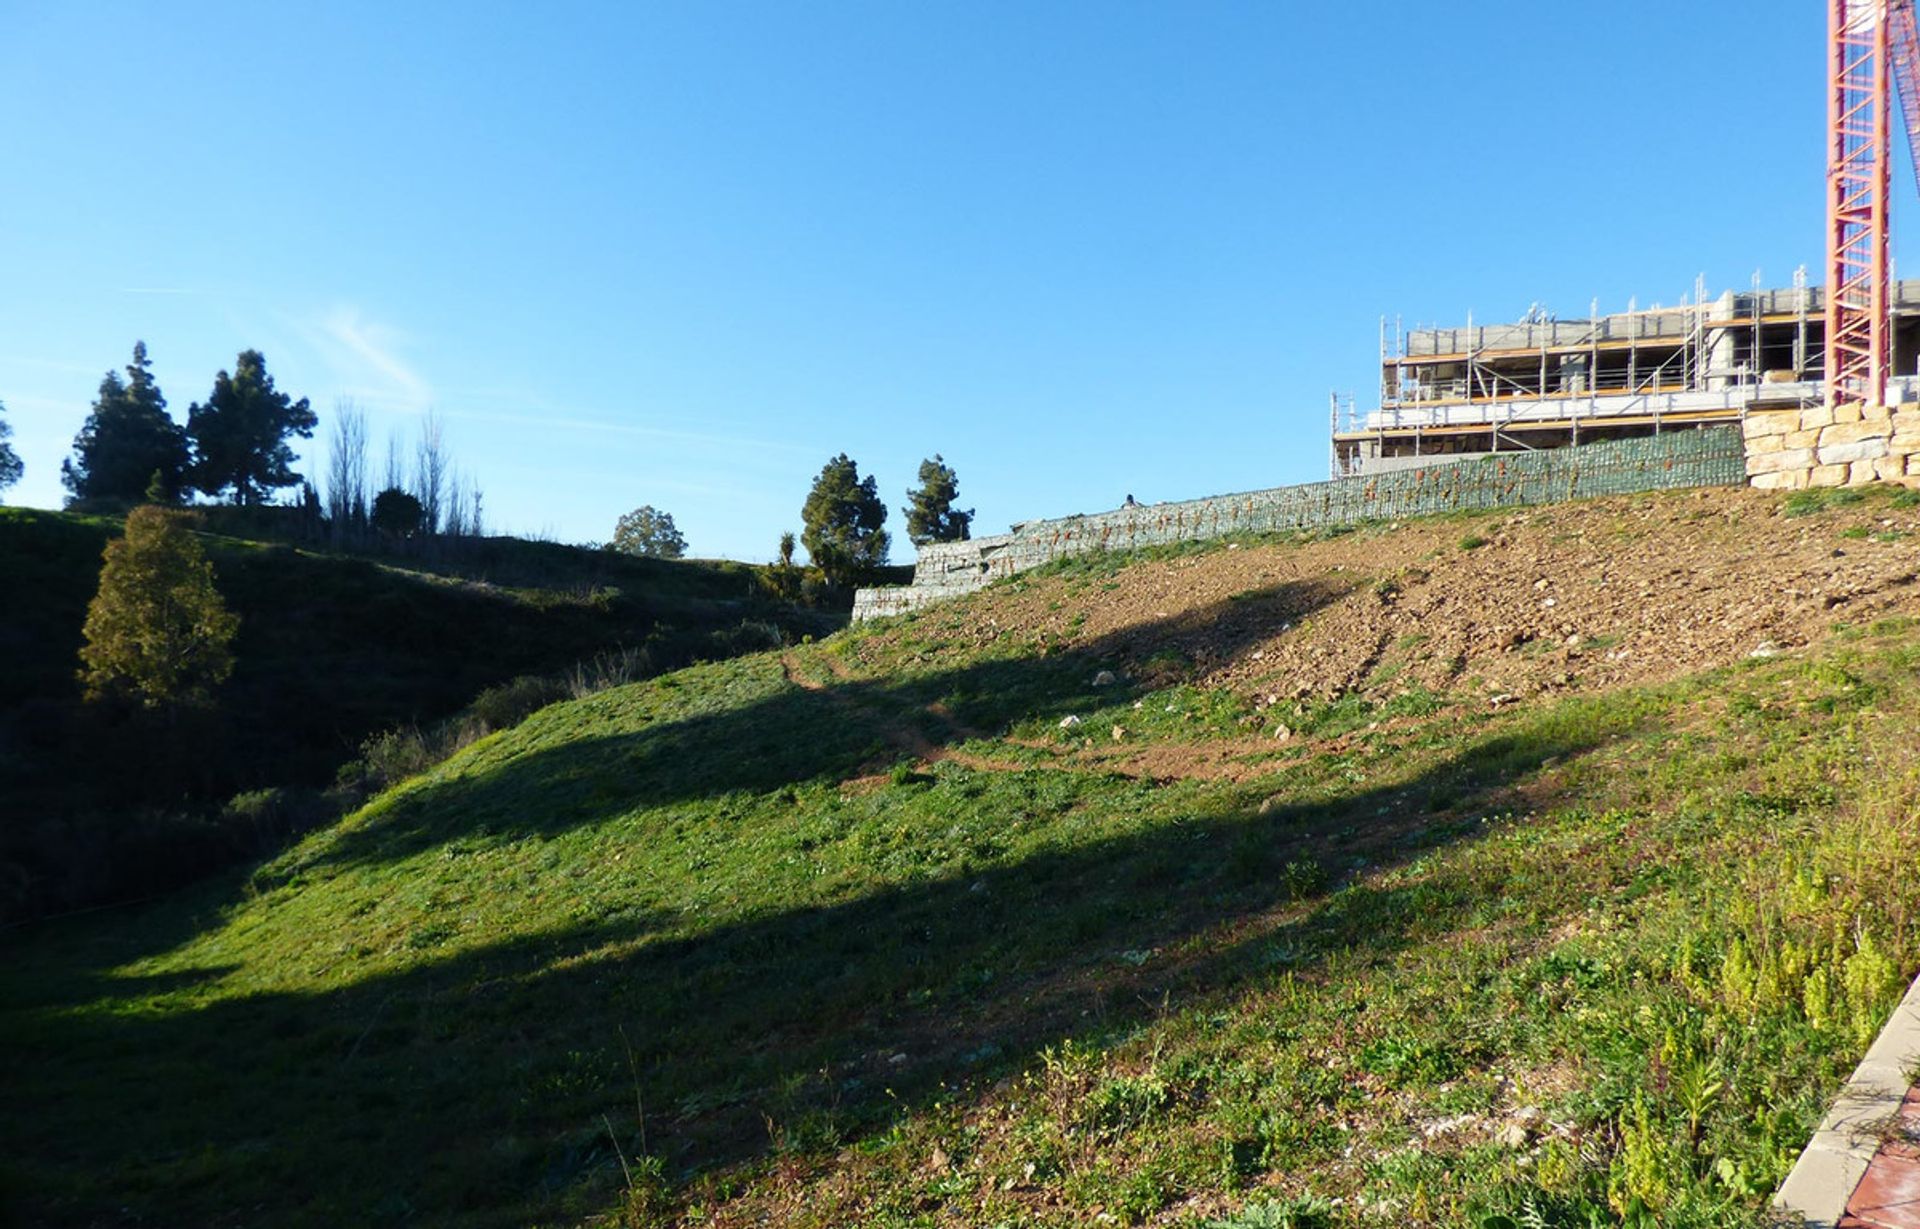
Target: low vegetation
pixel 918 927
pixel 337 658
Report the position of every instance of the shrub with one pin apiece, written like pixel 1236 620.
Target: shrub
pixel 157 630
pixel 506 706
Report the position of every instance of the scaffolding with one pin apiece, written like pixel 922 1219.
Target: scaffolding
pixel 1544 382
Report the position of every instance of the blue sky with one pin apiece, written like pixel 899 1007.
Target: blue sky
pixel 681 254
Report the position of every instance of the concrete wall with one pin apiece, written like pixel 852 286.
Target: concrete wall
pixel 1843 446
pixel 1709 457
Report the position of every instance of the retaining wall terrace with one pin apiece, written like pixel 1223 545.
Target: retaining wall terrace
pixel 1713 456
pixel 1820 445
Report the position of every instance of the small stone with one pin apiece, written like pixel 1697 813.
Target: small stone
pixel 1766 648
pixel 1282 733
pixel 1530 1117
pixel 1119 733
pixel 940 1159
pixel 1069 721
pixel 1104 679
pixel 1513 1135
pixel 1502 698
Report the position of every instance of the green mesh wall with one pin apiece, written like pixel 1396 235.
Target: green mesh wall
pixel 1714 456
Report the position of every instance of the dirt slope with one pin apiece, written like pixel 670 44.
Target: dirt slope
pixel 1576 597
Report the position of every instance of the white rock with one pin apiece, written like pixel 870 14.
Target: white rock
pixel 1104 679
pixel 1069 721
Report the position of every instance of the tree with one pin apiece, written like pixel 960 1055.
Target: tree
pixel 430 471
pixel 398 514
pixel 158 492
pixel 127 436
pixel 841 523
pixel 157 630
pixel 347 470
pixel 649 532
pixel 10 467
pixel 240 434
pixel 931 516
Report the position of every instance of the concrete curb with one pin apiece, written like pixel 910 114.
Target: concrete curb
pixel 1844 1145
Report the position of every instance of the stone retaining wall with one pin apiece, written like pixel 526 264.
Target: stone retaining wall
pixel 1839 446
pixel 1710 457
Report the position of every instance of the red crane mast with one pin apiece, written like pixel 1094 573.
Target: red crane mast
pixel 1873 52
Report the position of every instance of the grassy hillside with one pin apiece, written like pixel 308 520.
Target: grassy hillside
pixel 1126 894
pixel 332 650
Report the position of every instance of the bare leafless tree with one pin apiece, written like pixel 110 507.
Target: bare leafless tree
pixel 396 479
pixel 347 494
pixel 454 525
pixel 430 471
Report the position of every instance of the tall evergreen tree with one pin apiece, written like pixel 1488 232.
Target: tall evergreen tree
pixel 240 434
pixel 157 630
pixel 127 436
pixel 841 523
pixel 10 467
pixel 931 516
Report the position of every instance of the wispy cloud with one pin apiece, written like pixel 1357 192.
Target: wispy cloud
pixel 367 354
pixel 565 421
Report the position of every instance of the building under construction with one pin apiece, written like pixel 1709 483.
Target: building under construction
pixel 1454 393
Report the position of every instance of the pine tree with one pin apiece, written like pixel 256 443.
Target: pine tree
pixel 841 523
pixel 127 436
pixel 240 434
pixel 931 516
pixel 157 630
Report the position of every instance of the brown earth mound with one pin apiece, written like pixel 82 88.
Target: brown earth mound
pixel 1573 597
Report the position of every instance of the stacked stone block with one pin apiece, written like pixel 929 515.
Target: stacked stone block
pixel 1844 445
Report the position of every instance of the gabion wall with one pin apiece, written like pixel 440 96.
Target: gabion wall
pixel 1713 456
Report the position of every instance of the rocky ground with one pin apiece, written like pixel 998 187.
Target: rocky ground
pixel 1580 596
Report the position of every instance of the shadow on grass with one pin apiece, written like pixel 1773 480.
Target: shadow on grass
pixel 470 1089
pixel 794 735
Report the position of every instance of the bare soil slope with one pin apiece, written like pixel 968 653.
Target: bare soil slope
pixel 1581 596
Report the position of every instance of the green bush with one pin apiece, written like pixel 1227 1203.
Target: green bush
pixel 506 706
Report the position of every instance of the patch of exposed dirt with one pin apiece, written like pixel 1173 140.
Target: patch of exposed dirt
pixel 1580 596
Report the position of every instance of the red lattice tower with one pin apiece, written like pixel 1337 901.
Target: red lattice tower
pixel 1858 185
pixel 1874 56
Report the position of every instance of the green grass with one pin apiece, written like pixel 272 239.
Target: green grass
pixel 1820 499
pixel 332 650
pixel 722 949
pixel 1669 919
